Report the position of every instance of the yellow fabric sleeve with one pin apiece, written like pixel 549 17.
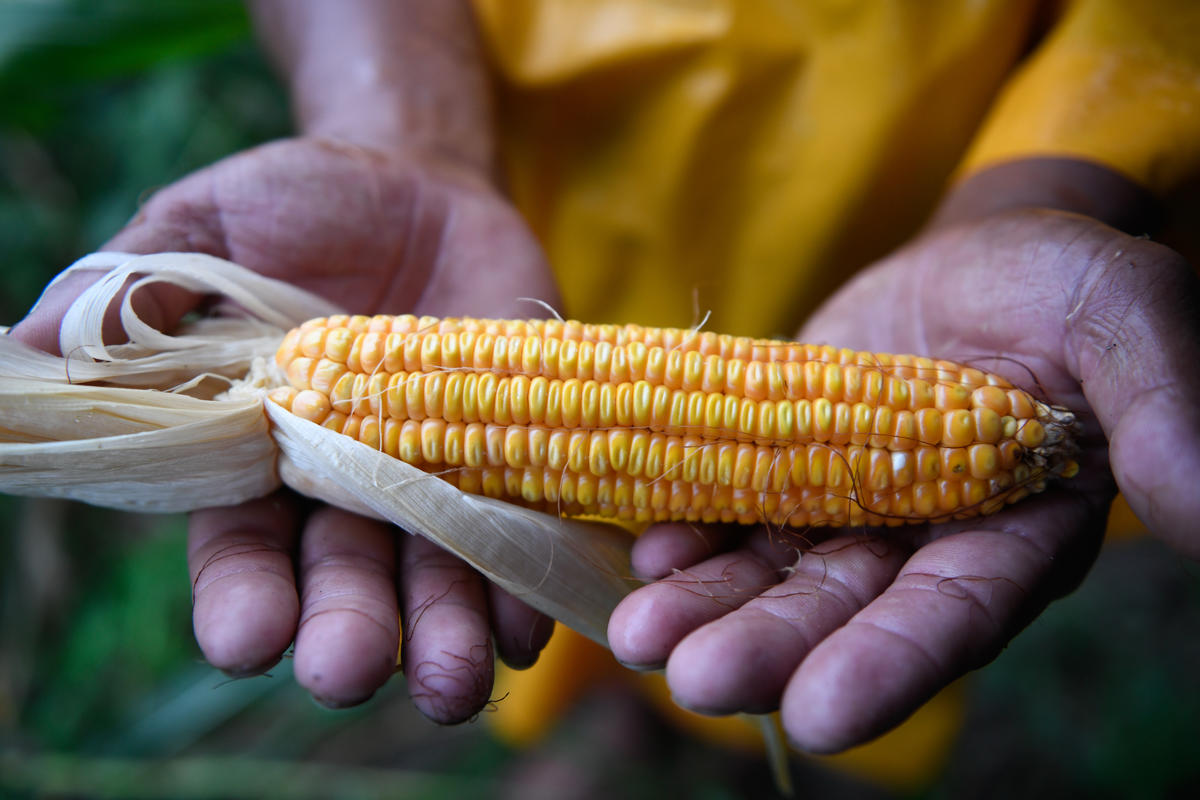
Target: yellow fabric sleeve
pixel 1115 82
pixel 744 157
pixel 738 157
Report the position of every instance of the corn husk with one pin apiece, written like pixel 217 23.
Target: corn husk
pixel 176 422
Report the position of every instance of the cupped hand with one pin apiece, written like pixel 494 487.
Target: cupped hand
pixel 372 232
pixel 850 635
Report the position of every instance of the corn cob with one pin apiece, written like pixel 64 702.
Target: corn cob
pixel 654 424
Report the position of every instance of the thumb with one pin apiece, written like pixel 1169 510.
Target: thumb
pixel 170 222
pixel 1133 343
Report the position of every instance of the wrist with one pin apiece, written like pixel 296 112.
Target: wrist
pixel 1061 184
pixel 396 76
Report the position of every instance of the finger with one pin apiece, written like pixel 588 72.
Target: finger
pixel 447 650
pixel 646 625
pixel 743 660
pixel 952 607
pixel 180 218
pixel 1133 341
pixel 244 598
pixel 349 631
pixel 158 305
pixel 521 632
pixel 661 549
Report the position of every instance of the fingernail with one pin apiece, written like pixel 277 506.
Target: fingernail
pixel 644 667
pixel 334 703
pixel 520 664
pixel 248 671
pixel 707 712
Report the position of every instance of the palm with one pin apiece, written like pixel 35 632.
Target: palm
pixel 372 233
pixel 861 630
pixel 998 297
pixel 1060 304
pixel 368 232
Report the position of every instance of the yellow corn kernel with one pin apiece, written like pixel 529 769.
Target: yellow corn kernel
pixel 652 424
pixel 992 397
pixel 958 428
pixel 984 460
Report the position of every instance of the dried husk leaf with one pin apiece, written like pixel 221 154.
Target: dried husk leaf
pixel 133 449
pixel 153 437
pixel 574 571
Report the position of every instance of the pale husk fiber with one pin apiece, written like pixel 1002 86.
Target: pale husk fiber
pixel 144 426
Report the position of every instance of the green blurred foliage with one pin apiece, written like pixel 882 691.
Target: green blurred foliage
pixel 101 102
pixel 128 631
pixel 1100 696
pixel 103 692
pixel 48 48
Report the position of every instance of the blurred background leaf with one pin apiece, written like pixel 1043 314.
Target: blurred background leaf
pixel 104 694
pixel 102 101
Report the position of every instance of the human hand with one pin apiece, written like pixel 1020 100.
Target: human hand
pixel 859 631
pixel 372 232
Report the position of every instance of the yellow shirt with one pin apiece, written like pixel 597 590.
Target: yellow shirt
pixel 743 157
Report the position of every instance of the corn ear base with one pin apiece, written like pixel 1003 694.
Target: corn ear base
pixel 143 427
pixel 572 570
